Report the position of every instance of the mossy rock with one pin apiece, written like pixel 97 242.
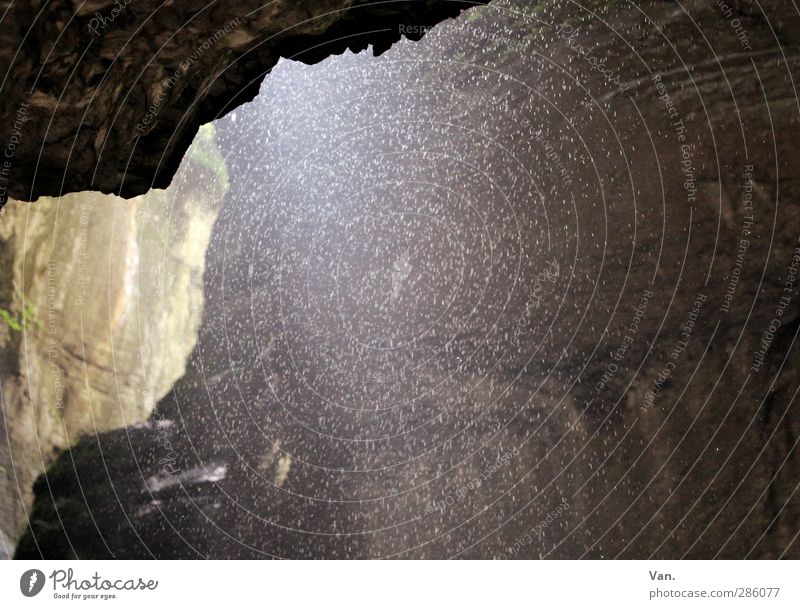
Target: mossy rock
pixel 205 153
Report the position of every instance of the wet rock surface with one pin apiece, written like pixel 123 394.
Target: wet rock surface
pixel 496 299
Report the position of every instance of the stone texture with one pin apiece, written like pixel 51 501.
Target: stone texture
pixel 107 95
pixel 103 297
pixel 709 469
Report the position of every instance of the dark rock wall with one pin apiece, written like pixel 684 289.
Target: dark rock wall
pixel 695 463
pixel 558 437
pixel 107 95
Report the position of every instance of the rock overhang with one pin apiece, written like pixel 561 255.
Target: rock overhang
pixel 107 95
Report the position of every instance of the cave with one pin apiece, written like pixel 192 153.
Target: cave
pixel 415 279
